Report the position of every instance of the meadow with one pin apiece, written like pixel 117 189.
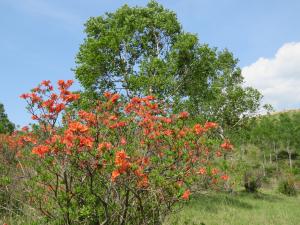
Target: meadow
pixel 241 208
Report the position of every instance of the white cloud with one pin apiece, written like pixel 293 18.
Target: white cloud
pixel 278 78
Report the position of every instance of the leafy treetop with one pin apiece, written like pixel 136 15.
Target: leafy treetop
pixel 139 51
pixel 5 125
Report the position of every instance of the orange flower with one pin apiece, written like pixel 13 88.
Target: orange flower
pixel 198 129
pixel 46 82
pixel 24 96
pixel 53 97
pixel 29 139
pixel 55 138
pixel 135 100
pixel 120 157
pixel 166 120
pixel 68 139
pixel 25 128
pixel 104 146
pixel 144 161
pixel 113 117
pixel 186 194
pixel 143 182
pixel 115 98
pixel 218 153
pixel 214 171
pixel 183 115
pixel 86 141
pixel 202 171
pixel 40 150
pixel 138 172
pixel 119 124
pixel 71 97
pixel 77 127
pixel 64 84
pixel 115 174
pixel 121 161
pixel 59 107
pixel 89 117
pixel 107 94
pixel 63 93
pixel 182 132
pixel 150 97
pixel 36 89
pixel 34 98
pixel 48 104
pixel 69 83
pixel 225 177
pixel 168 132
pixel 154 106
pixel 227 145
pixel 209 125
pixel 123 141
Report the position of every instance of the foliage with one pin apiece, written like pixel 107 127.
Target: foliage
pixel 5 125
pixel 115 163
pixel 269 143
pixel 10 187
pixel 287 186
pixel 123 48
pixel 144 51
pixel 253 180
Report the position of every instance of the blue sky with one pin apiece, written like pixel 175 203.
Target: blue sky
pixel 40 38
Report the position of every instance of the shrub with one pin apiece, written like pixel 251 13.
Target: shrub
pixel 10 184
pixel 116 162
pixel 296 169
pixel 287 187
pixel 253 180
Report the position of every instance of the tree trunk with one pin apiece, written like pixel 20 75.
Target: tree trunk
pixel 264 162
pixel 290 158
pixel 290 155
pixel 276 156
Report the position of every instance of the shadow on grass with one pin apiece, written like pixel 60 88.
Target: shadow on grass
pixel 260 196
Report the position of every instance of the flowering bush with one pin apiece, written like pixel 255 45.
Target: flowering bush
pixel 115 163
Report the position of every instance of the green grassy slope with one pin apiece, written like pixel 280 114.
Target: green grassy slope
pixel 263 208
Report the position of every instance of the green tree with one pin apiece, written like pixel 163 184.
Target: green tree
pixel 144 51
pixel 214 88
pixel 277 135
pixel 5 125
pixel 129 50
pixel 289 135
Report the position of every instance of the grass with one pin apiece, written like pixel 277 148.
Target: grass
pixel 264 208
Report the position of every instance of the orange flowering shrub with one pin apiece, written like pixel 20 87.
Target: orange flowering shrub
pixel 116 163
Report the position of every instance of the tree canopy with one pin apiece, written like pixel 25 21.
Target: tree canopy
pixel 144 51
pixel 5 125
